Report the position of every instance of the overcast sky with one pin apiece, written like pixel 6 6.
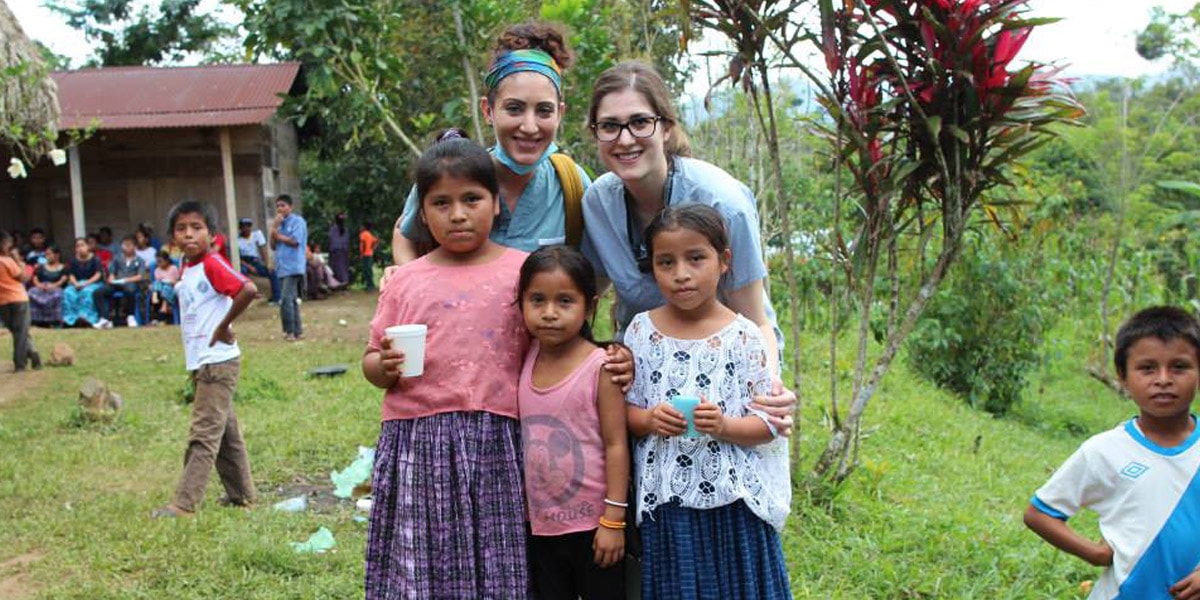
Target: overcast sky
pixel 1096 37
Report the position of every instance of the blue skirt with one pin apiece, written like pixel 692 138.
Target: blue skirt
pixel 724 553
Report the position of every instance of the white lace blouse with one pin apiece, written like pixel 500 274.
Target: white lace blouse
pixel 729 368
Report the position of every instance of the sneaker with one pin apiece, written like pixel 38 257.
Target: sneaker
pixel 131 321
pixel 103 324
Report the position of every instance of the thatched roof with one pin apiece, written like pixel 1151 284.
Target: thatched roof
pixel 28 100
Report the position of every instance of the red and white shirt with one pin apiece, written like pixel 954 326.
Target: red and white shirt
pixel 205 291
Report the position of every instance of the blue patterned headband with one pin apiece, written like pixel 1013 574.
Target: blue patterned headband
pixel 517 61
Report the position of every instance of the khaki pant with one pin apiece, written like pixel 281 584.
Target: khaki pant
pixel 215 439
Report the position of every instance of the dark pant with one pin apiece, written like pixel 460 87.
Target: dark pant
pixel 254 266
pixel 368 272
pixel 215 439
pixel 15 317
pixel 562 568
pixel 289 310
pixel 125 305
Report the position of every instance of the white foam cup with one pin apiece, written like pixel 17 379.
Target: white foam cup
pixel 409 339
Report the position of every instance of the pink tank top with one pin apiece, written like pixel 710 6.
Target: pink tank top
pixel 564 451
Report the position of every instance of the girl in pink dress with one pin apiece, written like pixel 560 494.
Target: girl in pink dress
pixel 573 433
pixel 448 520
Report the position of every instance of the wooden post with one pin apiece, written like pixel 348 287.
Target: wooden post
pixel 230 198
pixel 76 192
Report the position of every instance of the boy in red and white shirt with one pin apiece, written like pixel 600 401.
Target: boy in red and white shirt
pixel 211 295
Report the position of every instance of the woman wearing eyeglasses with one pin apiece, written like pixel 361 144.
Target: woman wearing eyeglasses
pixel 647 153
pixel 648 156
pixel 524 106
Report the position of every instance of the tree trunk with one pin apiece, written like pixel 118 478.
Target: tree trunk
pixel 837 452
pixel 789 254
pixel 468 73
pixel 1114 253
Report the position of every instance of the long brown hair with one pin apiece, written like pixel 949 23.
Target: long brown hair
pixel 645 80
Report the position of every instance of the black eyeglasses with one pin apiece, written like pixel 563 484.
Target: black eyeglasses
pixel 638 127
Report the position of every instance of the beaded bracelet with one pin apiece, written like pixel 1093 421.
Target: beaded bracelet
pixel 616 504
pixel 605 523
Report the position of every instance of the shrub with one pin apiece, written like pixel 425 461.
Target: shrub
pixel 981 335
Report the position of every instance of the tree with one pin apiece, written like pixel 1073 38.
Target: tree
pixel 749 26
pixel 376 69
pixel 1171 34
pixel 175 31
pixel 927 117
pixel 381 76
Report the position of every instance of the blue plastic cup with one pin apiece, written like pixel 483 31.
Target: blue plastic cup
pixel 687 406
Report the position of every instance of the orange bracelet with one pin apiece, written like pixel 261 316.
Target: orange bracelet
pixel 605 523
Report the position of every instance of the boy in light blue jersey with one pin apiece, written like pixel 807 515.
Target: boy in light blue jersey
pixel 1141 477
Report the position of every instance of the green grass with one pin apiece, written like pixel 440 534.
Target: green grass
pixel 927 516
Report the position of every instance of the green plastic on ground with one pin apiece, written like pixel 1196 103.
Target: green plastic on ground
pixel 357 473
pixel 320 542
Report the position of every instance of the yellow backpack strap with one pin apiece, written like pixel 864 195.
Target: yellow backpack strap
pixel 572 188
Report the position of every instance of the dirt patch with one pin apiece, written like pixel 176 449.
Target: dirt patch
pixel 14 385
pixel 15 583
pixel 320 496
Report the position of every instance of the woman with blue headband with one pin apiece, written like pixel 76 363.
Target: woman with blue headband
pixel 524 106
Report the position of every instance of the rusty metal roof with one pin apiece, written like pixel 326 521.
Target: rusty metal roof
pixel 160 97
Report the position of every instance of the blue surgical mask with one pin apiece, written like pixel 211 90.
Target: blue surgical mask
pixel 514 166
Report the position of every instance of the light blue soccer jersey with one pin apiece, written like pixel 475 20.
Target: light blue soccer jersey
pixel 1148 500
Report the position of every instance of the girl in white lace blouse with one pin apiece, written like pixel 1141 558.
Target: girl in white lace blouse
pixel 710 507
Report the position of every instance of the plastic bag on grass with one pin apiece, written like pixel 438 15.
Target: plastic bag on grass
pixel 319 543
pixel 358 473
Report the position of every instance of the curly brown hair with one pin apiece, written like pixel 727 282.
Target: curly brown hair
pixel 550 38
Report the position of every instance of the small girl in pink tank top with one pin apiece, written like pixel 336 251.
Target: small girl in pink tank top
pixel 573 434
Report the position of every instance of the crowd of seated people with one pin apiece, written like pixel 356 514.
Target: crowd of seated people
pixel 100 282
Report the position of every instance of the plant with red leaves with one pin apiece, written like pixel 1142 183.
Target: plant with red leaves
pixel 927 111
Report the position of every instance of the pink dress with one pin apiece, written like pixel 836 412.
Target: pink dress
pixel 475 342
pixel 564 450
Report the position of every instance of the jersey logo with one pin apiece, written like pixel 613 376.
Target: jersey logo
pixel 203 287
pixel 1134 470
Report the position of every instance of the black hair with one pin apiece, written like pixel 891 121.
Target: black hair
pixel 129 238
pixel 1167 323
pixel 454 155
pixel 548 259
pixel 37 230
pixel 5 237
pixel 55 249
pixel 701 218
pixel 92 236
pixel 286 199
pixel 106 228
pixel 366 224
pixel 192 207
